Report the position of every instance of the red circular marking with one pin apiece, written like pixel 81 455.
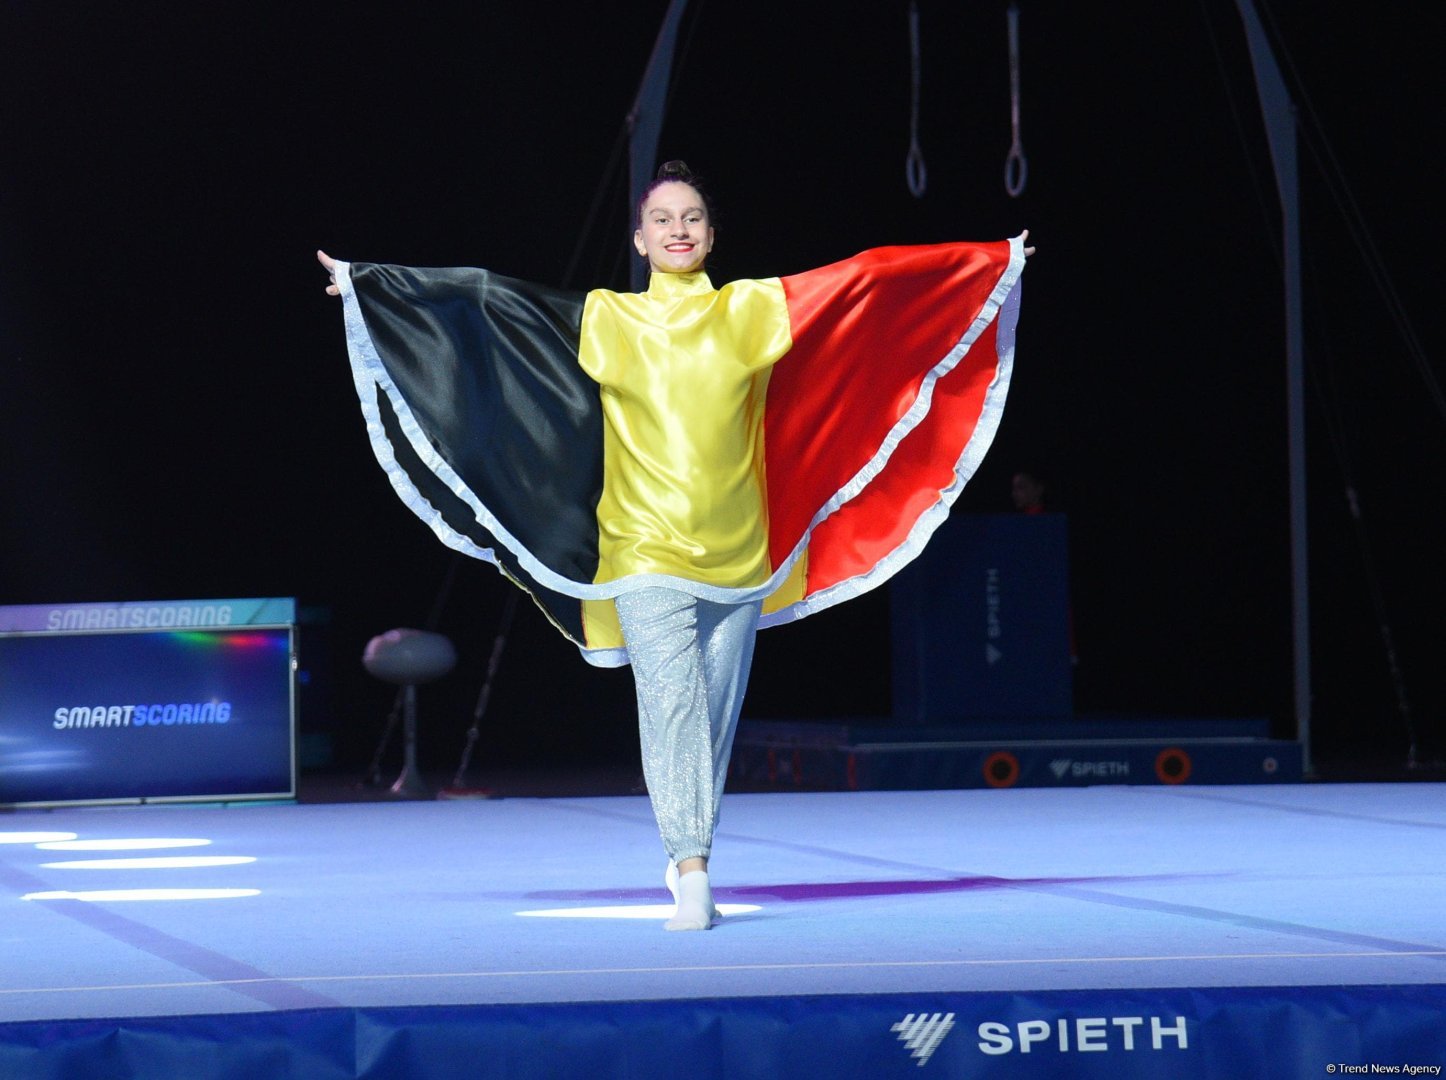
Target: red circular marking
pixel 1173 766
pixel 1001 769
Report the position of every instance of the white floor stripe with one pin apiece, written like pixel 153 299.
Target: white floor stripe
pixel 725 968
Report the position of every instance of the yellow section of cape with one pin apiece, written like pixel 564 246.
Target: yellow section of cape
pixel 683 375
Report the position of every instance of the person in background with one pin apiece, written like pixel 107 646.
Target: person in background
pixel 1027 490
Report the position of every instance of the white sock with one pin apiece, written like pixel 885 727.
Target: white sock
pixel 670 879
pixel 695 903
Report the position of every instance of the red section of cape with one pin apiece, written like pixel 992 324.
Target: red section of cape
pixel 867 333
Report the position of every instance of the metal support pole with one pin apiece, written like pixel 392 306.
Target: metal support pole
pixel 645 121
pixel 1280 128
pixel 409 784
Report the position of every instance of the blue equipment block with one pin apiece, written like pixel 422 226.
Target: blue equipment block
pixel 981 623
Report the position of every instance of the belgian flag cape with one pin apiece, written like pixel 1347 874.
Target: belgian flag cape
pixel 793 440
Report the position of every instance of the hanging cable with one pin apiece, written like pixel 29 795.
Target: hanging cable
pixel 484 697
pixel 1318 144
pixel 1016 168
pixel 915 171
pixel 1329 399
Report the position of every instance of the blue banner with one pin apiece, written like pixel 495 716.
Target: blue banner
pixel 146 615
pixel 1126 1034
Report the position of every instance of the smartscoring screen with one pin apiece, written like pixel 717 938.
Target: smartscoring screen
pixel 147 715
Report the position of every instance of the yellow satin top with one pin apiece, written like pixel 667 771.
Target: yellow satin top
pixel 683 370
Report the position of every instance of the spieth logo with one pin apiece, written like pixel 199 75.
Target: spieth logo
pixel 993 625
pixel 1129 1033
pixel 1088 770
pixel 923 1033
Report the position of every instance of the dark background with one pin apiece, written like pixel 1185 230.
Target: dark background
pixel 177 419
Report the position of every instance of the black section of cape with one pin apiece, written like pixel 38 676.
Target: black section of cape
pixel 488 367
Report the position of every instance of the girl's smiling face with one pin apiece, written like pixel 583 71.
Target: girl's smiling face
pixel 674 233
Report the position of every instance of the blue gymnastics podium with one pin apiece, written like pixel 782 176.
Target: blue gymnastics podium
pixel 980 623
pixel 983 691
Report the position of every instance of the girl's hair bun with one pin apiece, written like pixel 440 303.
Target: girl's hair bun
pixel 675 170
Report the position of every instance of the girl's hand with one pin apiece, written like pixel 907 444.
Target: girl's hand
pixel 330 264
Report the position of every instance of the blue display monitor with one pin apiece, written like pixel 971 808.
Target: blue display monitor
pixel 123 716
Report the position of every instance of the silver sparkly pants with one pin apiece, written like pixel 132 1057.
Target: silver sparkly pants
pixel 690 662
